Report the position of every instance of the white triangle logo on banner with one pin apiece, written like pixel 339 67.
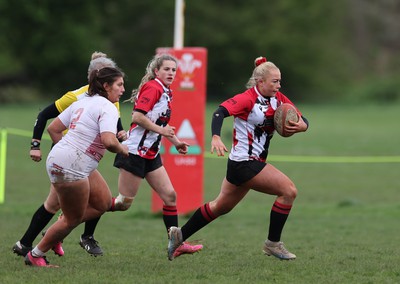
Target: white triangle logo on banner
pixel 186 130
pixel 187 134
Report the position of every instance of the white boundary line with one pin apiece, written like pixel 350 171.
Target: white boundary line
pixel 322 159
pixel 278 158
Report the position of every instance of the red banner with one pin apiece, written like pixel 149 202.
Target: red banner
pixel 188 111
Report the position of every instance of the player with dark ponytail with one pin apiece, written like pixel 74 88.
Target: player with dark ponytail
pixel 92 128
pixel 49 208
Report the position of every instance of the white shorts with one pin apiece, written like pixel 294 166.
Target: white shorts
pixel 66 164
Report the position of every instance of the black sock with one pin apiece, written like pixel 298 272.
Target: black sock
pixel 39 221
pixel 201 218
pixel 90 227
pixel 170 216
pixel 279 214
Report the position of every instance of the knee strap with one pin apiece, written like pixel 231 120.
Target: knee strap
pixel 122 203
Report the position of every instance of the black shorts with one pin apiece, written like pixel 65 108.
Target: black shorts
pixel 137 165
pixel 238 173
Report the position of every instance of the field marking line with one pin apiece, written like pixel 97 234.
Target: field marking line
pixel 3 153
pixel 278 158
pixel 324 159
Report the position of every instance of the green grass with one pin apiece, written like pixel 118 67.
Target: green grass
pixel 344 226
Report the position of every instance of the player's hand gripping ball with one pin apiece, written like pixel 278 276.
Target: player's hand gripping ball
pixel 283 114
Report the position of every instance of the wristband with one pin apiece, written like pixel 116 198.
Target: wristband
pixel 35 145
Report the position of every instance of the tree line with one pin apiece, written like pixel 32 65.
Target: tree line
pixel 326 50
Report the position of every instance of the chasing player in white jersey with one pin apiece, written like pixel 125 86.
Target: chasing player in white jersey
pixel 92 124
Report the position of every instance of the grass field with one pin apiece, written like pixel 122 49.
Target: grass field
pixel 344 226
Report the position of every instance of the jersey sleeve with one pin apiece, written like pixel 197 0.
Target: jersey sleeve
pixel 70 97
pixel 65 101
pixel 148 97
pixel 238 105
pixel 108 119
pixel 65 116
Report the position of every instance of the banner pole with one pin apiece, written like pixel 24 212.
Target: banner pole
pixel 179 24
pixel 3 157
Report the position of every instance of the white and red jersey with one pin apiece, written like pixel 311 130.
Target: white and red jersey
pixel 86 119
pixel 253 125
pixel 154 100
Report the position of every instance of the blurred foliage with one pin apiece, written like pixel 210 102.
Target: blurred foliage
pixel 376 90
pixel 50 40
pixel 326 50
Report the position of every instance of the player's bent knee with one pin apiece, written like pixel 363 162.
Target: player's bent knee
pixel 73 223
pixel 170 198
pixel 291 192
pixel 51 208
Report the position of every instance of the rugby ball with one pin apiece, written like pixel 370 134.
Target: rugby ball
pixel 283 114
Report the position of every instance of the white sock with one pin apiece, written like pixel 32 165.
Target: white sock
pixel 36 252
